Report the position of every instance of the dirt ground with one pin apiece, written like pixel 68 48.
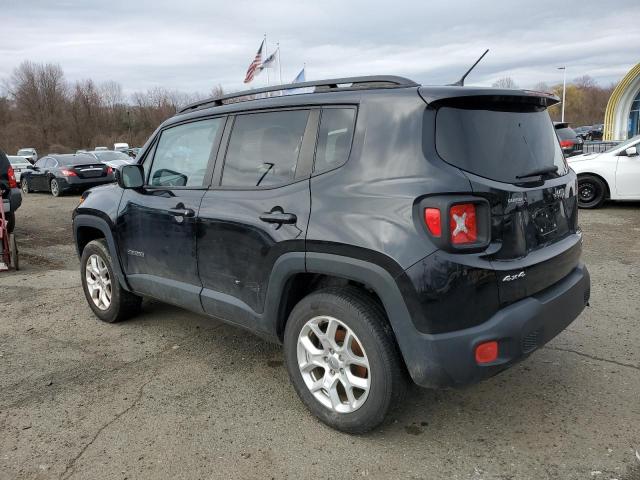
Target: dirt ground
pixel 171 394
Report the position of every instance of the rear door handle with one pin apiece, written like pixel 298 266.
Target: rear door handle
pixel 182 212
pixel 279 218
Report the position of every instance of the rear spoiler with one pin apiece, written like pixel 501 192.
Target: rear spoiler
pixel 433 95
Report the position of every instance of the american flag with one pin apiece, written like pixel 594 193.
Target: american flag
pixel 254 67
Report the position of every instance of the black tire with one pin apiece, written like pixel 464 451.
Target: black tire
pixel 365 317
pixel 13 250
pixel 10 217
pixel 592 191
pixel 54 188
pixel 24 186
pixel 123 304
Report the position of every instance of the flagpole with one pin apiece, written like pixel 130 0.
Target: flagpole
pixel 266 55
pixel 279 62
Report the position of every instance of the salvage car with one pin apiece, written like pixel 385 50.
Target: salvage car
pixel 60 174
pixel 613 174
pixel 19 164
pixel 382 231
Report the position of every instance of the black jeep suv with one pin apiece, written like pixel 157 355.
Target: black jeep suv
pixel 9 192
pixel 379 229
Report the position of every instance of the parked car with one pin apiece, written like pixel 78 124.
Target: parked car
pixel 19 165
pixel 379 229
pixel 582 132
pixel 613 174
pixel 30 153
pixel 133 152
pixel 99 149
pixel 121 147
pixel 9 191
pixel 112 158
pixel 60 174
pixel 595 132
pixel 570 142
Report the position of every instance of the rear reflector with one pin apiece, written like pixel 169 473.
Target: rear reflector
pixel 462 224
pixel 12 177
pixel 109 170
pixel 487 352
pixel 432 219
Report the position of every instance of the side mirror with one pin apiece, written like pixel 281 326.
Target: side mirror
pixel 631 151
pixel 33 167
pixel 130 176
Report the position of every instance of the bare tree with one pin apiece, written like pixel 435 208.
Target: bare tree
pixel 505 82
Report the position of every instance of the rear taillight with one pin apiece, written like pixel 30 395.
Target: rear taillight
pixel 109 170
pixel 68 173
pixel 462 224
pixel 432 219
pixel 12 178
pixel 566 143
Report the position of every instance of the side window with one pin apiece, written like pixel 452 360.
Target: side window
pixel 40 163
pixel 334 137
pixel 264 148
pixel 182 154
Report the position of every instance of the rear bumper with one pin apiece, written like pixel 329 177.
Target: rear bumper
pixel 72 183
pixel 448 359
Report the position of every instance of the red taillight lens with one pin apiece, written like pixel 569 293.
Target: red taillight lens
pixel 68 173
pixel 487 352
pixel 109 170
pixel 462 224
pixel 432 219
pixel 566 143
pixel 12 178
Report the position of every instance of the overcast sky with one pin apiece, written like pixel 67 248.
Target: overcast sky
pixel 192 45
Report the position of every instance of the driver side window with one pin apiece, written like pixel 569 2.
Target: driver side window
pixel 182 154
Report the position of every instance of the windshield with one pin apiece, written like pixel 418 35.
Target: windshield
pixel 18 160
pixel 623 145
pixel 500 143
pixel 566 134
pixel 110 155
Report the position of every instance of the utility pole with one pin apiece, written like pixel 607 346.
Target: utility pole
pixel 564 88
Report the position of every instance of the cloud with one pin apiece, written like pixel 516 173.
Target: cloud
pixel 194 45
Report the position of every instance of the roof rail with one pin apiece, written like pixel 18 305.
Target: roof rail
pixel 348 83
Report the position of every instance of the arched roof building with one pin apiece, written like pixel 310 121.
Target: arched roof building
pixel 622 117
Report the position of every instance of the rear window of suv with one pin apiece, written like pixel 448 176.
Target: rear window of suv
pixel 498 142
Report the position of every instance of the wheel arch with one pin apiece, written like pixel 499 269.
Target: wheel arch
pixel 325 266
pixel 87 228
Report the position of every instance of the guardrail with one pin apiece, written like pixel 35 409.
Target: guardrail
pixel 597 147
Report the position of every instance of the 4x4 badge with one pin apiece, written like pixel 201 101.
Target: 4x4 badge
pixel 515 276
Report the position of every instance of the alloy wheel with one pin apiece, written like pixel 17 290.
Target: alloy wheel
pixel 55 190
pixel 98 282
pixel 333 364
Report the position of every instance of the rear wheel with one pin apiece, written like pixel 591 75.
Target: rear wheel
pixel 108 300
pixel 342 359
pixel 592 191
pixel 55 188
pixel 11 221
pixel 13 250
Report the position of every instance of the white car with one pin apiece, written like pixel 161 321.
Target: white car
pixel 29 153
pixel 19 165
pixel 613 174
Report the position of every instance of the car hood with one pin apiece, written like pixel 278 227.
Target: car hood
pixel 584 156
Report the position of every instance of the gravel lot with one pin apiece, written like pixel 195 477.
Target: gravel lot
pixel 171 394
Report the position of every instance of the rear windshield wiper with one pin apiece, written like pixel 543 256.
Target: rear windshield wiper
pixel 539 172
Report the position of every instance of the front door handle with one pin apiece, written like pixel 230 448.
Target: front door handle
pixel 182 212
pixel 279 218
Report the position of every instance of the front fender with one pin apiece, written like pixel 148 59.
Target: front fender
pixel 81 220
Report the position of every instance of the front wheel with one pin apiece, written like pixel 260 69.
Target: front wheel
pixel 343 360
pixel 24 185
pixel 108 300
pixel 592 191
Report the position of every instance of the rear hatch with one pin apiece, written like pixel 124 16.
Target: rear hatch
pixel 508 149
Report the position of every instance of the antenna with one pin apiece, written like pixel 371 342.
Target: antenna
pixel 460 83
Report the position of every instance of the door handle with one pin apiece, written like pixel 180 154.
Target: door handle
pixel 182 212
pixel 279 218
